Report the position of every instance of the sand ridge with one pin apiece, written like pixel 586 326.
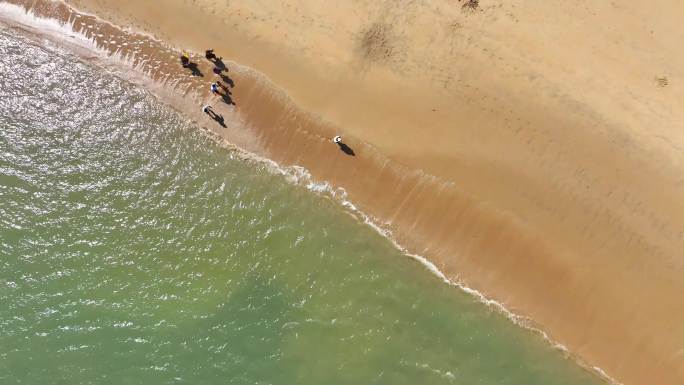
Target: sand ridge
pixel 531 149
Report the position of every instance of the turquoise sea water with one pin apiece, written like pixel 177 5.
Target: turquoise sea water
pixel 133 250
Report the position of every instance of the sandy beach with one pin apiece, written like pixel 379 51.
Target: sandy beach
pixel 532 151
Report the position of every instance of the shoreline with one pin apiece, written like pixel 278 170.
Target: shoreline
pixel 300 177
pixel 425 209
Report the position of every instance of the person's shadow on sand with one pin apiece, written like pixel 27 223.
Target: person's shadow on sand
pixel 192 66
pixel 227 80
pixel 219 119
pixel 227 99
pixel 346 149
pixel 220 64
pixel 216 117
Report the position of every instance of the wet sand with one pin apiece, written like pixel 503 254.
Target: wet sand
pixel 531 152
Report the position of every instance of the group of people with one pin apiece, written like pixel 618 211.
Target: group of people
pixel 219 68
pixel 217 88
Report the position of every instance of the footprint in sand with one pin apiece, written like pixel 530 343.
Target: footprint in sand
pixel 661 81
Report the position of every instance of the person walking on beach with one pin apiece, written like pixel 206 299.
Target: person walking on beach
pixel 212 114
pixel 209 111
pixel 185 59
pixel 219 65
pixel 343 147
pixel 214 88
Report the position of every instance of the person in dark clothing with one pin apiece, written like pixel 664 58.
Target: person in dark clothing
pixel 209 111
pixel 219 66
pixel 212 114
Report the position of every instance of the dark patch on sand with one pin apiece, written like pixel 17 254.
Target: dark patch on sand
pixel 376 43
pixel 470 5
pixel 661 81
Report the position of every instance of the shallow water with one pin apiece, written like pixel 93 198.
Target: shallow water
pixel 134 250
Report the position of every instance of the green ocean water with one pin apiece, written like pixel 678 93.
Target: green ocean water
pixel 134 250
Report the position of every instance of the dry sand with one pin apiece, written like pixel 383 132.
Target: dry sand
pixel 530 149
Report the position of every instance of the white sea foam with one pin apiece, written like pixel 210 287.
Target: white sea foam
pixel 17 15
pixel 300 176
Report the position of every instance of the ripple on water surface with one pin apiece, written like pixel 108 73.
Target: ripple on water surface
pixel 136 251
